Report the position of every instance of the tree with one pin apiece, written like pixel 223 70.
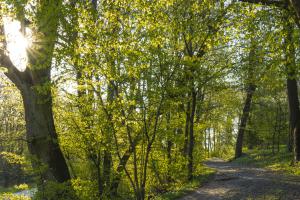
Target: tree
pixel 291 6
pixel 292 88
pixel 250 89
pixel 34 85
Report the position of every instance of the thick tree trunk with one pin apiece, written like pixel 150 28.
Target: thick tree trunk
pixel 293 100
pixel 41 134
pixel 292 90
pixel 244 119
pixel 33 84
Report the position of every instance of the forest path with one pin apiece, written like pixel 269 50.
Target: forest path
pixel 239 182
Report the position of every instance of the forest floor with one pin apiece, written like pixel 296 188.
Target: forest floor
pixel 243 181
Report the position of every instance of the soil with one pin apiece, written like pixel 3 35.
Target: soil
pixel 235 181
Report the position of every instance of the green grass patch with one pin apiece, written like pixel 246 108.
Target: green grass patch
pixel 203 174
pixel 278 161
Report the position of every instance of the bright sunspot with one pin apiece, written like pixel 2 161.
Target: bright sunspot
pixel 16 43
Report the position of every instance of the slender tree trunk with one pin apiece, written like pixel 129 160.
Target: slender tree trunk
pixel 107 164
pixel 290 138
pixel 251 87
pixel 244 119
pixel 99 179
pixel 205 141
pixel 169 147
pixel 191 136
pixel 273 141
pixel 187 127
pixel 280 127
pixel 209 142
pixel 275 130
pixel 214 139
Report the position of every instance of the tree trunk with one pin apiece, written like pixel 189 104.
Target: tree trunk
pixel 34 85
pixel 294 115
pixel 187 125
pixel 244 119
pixel 209 142
pixel 121 167
pixel 290 139
pixel 99 179
pixel 191 136
pixel 273 141
pixel 107 163
pixel 251 87
pixel 41 134
pixel 292 90
pixel 169 147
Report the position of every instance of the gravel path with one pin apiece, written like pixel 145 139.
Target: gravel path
pixel 238 182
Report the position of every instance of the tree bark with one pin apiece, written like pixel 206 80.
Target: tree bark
pixel 293 100
pixel 244 119
pixel 191 136
pixel 292 91
pixel 187 127
pixel 41 134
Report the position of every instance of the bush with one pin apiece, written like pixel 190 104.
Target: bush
pixel 85 189
pixel 55 191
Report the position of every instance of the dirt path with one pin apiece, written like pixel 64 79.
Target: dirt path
pixel 237 182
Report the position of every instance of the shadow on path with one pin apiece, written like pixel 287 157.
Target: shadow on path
pixel 239 182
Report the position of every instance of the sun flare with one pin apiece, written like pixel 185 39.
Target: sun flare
pixel 17 43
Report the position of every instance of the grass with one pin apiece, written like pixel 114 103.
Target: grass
pixel 180 190
pixel 279 161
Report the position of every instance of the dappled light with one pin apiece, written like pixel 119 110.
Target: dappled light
pixel 149 100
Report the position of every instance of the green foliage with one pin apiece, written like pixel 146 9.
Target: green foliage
pixel 279 161
pixel 84 189
pixel 55 191
pixel 144 91
pixel 11 196
pixel 12 158
pixel 177 190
